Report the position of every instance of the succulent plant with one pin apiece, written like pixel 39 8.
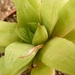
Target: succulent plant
pixel 44 36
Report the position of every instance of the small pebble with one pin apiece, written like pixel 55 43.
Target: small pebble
pixel 6 6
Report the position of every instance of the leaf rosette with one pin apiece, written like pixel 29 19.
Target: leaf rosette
pixel 44 36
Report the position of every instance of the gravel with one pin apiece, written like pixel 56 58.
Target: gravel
pixel 6 6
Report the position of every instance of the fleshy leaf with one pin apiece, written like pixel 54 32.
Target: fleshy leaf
pixel 26 33
pixel 66 20
pixel 40 36
pixel 24 68
pixel 2 48
pixel 71 36
pixel 41 69
pixel 49 12
pixel 62 3
pixel 27 18
pixel 7 33
pixel 18 55
pixel 36 4
pixel 25 12
pixel 2 66
pixel 59 53
pixel 32 27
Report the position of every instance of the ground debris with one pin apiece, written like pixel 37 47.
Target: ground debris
pixel 6 6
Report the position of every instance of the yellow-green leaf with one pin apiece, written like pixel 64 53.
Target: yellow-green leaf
pixel 7 33
pixel 41 69
pixel 66 20
pixel 17 56
pixel 71 36
pixel 40 36
pixel 2 70
pixel 25 68
pixel 50 11
pixel 2 49
pixel 25 12
pixel 26 33
pixel 36 5
pixel 59 53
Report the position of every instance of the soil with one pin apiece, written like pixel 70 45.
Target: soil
pixel 1 54
pixel 11 18
pixel 60 73
pixel 6 6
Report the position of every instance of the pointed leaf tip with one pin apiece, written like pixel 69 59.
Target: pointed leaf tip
pixel 40 36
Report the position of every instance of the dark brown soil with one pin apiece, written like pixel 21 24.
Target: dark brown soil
pixel 1 54
pixel 11 18
pixel 6 6
pixel 59 73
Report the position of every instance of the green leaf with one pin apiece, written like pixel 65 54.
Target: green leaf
pixel 59 53
pixel 32 27
pixel 40 36
pixel 49 12
pixel 42 69
pixel 2 49
pixel 66 20
pixel 26 33
pixel 27 18
pixel 36 4
pixel 2 66
pixel 25 12
pixel 7 33
pixel 18 55
pixel 62 3
pixel 71 36
pixel 24 69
